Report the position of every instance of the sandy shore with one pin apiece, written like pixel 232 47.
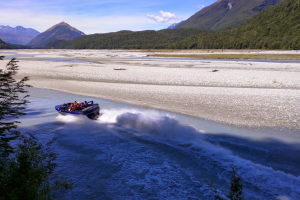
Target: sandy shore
pixel 245 93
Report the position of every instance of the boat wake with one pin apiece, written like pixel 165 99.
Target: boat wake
pixel 188 150
pixel 70 118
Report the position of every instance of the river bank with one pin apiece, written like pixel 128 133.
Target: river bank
pixel 243 93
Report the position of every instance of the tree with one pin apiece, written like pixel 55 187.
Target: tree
pixel 25 164
pixel 236 187
pixel 26 174
pixel 12 103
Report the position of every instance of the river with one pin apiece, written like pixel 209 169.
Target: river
pixel 132 152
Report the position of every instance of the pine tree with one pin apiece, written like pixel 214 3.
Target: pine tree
pixel 13 99
pixel 236 188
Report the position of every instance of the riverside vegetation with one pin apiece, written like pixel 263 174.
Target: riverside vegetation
pixel 26 165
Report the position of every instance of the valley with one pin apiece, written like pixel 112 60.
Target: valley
pixel 150 100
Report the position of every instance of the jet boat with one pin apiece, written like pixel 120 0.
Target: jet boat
pixel 89 109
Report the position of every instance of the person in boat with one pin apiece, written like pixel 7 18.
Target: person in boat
pixel 65 107
pixel 77 106
pixel 72 106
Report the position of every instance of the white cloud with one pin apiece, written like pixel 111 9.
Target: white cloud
pixel 163 17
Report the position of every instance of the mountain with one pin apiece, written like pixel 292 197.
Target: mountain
pixel 61 31
pixel 172 26
pixel 130 40
pixel 3 45
pixel 274 27
pixel 277 27
pixel 17 35
pixel 226 14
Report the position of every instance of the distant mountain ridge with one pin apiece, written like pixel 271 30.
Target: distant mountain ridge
pixel 3 45
pixel 225 14
pixel 61 32
pixel 17 35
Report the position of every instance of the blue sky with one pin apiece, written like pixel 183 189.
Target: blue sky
pixel 99 16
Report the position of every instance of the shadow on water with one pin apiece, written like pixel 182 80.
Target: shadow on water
pixel 30 112
pixel 269 152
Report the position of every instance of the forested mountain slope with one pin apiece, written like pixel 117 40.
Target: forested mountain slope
pixel 226 14
pixel 131 40
pixel 277 27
